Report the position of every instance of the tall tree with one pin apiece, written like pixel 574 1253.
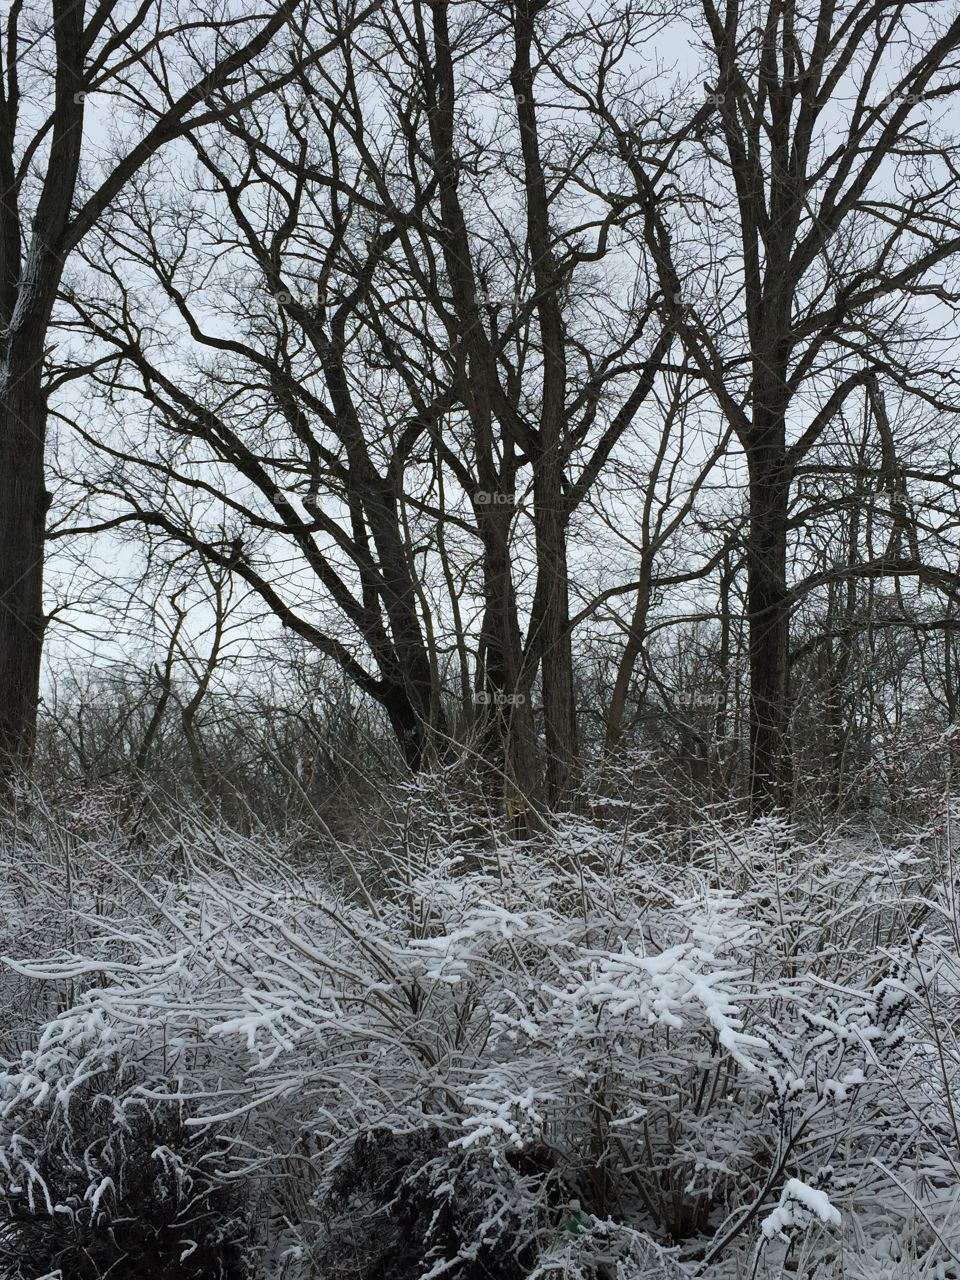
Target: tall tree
pixel 792 239
pixel 154 71
pixel 436 301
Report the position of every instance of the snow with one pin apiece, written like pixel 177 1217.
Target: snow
pixel 508 1028
pixel 799 1204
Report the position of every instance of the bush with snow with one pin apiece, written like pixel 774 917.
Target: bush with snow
pixel 604 1052
pixel 102 1180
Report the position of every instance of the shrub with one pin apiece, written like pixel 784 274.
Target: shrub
pixel 631 1052
pixel 105 1180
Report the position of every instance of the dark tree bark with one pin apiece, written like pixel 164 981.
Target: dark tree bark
pixel 23 508
pixel 552 616
pixel 28 290
pixel 768 610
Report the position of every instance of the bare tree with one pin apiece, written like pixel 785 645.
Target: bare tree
pixel 395 330
pixel 151 72
pixel 790 242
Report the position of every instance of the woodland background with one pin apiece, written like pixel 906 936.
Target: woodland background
pixel 479 639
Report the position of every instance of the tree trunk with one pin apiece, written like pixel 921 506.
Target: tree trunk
pixel 407 724
pixel 552 639
pixel 628 660
pixel 769 615
pixel 28 287
pixel 509 747
pixel 721 715
pixel 23 507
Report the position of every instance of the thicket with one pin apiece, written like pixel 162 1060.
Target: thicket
pixel 627 1046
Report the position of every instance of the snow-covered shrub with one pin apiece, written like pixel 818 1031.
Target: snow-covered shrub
pixel 400 1201
pixel 612 1051
pixel 102 1178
